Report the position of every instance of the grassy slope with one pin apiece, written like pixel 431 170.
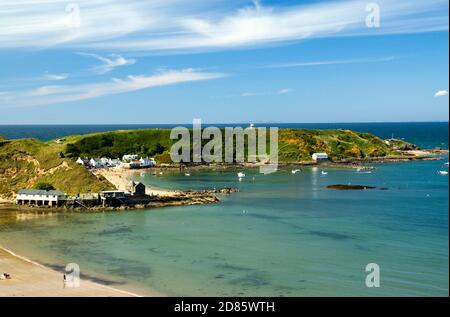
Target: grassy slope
pixel 25 162
pixel 294 144
pixel 300 144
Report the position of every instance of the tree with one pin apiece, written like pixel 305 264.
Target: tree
pixel 159 148
pixel 44 186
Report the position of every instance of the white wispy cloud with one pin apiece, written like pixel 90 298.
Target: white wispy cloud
pixel 56 94
pixel 332 62
pixel 110 62
pixel 282 91
pixel 173 26
pixel 54 77
pixel 441 93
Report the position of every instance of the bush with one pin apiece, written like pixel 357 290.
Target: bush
pixel 44 186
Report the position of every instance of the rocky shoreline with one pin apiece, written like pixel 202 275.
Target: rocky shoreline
pixel 179 198
pixel 406 156
pixel 176 198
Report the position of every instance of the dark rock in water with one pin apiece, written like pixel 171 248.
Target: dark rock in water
pixel 349 187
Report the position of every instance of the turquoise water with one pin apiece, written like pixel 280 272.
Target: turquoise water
pixel 281 235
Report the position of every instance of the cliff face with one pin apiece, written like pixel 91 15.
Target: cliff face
pixel 26 162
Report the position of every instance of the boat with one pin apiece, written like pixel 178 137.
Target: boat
pixel 240 175
pixel 446 163
pixel 363 171
pixel 187 174
pixel 324 173
pixel 295 171
pixel 443 172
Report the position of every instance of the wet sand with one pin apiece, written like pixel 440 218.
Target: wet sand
pixel 31 279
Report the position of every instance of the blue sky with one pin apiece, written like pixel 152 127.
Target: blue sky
pixel 110 61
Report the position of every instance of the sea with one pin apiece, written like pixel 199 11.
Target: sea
pixel 282 234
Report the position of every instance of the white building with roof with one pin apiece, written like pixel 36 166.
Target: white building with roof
pixel 320 156
pixel 114 162
pixel 147 162
pixel 40 197
pixel 95 162
pixel 83 161
pixel 129 157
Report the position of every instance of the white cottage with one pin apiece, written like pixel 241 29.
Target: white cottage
pixel 320 156
pixel 40 197
pixel 83 161
pixel 114 162
pixel 129 157
pixel 147 162
pixel 95 162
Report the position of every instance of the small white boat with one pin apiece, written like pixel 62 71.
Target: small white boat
pixel 324 173
pixel 240 175
pixel 443 172
pixel 295 171
pixel 187 174
pixel 446 163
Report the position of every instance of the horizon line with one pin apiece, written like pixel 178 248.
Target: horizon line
pixel 211 123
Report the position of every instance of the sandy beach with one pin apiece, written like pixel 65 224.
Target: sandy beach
pixel 31 279
pixel 4 201
pixel 121 177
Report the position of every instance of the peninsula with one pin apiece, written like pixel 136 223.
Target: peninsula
pixel 26 163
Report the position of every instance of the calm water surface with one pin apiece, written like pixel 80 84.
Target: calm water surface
pixel 281 235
